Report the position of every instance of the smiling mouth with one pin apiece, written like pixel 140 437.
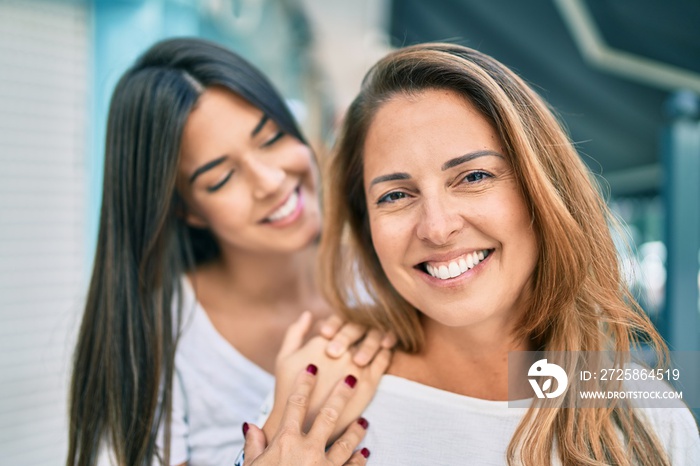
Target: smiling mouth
pixel 286 209
pixel 455 267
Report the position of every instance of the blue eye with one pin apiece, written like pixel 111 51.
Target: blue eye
pixel 475 177
pixel 391 197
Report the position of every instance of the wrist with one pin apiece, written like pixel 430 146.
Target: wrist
pixel 271 424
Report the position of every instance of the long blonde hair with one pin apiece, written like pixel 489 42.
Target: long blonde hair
pixel 580 300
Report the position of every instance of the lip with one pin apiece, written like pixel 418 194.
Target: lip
pixel 450 256
pixel 279 204
pixel 291 218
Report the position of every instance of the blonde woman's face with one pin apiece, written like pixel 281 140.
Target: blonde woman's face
pixel 448 222
pixel 250 184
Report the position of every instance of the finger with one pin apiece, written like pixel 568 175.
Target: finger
pixel 359 458
pixel 329 414
pixel 343 448
pixel 295 334
pixel 348 335
pixel 255 442
pixel 368 348
pixel 380 363
pixel 389 340
pixel 298 402
pixel 330 326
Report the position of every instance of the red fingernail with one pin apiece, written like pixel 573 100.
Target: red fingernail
pixel 311 369
pixel 245 428
pixel 364 452
pixel 363 422
pixel 351 380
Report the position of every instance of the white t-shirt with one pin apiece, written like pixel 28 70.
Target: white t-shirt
pixel 414 424
pixel 215 390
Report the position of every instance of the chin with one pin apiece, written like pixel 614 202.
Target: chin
pixel 306 238
pixel 457 321
pixel 457 317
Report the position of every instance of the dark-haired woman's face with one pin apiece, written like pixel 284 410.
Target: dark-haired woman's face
pixel 448 221
pixel 251 185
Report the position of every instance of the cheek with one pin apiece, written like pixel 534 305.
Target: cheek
pixel 388 238
pixel 532 244
pixel 522 227
pixel 229 209
pixel 521 233
pixel 511 213
pixel 299 159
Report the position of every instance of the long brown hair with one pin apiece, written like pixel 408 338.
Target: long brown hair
pixel 580 301
pixel 124 360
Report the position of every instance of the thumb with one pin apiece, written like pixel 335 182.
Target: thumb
pixel 295 334
pixel 255 443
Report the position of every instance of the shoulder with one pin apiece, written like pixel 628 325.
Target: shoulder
pixel 185 310
pixel 669 418
pixel 106 456
pixel 677 430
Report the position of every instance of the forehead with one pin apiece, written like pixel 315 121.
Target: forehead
pixel 433 125
pixel 219 119
pixel 219 108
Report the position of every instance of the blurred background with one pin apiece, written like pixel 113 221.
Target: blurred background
pixel 624 76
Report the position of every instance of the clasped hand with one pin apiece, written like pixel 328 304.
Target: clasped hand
pixel 319 396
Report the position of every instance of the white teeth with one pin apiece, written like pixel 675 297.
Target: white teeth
pixel 463 265
pixel 287 208
pixel 457 268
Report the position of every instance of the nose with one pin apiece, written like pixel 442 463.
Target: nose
pixel 440 221
pixel 266 179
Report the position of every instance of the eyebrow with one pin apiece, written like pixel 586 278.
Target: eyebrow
pixel 260 125
pixel 391 177
pixel 207 166
pixel 467 157
pixel 445 166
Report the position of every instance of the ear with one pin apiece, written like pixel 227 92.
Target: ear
pixel 194 220
pixel 187 215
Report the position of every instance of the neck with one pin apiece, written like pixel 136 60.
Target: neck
pixel 467 360
pixel 482 342
pixel 269 278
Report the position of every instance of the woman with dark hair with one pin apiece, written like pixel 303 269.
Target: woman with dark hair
pixel 205 257
pixel 481 236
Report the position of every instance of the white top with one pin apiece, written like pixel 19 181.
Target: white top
pixel 414 424
pixel 215 390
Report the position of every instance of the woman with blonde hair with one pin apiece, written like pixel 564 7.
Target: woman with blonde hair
pixel 479 232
